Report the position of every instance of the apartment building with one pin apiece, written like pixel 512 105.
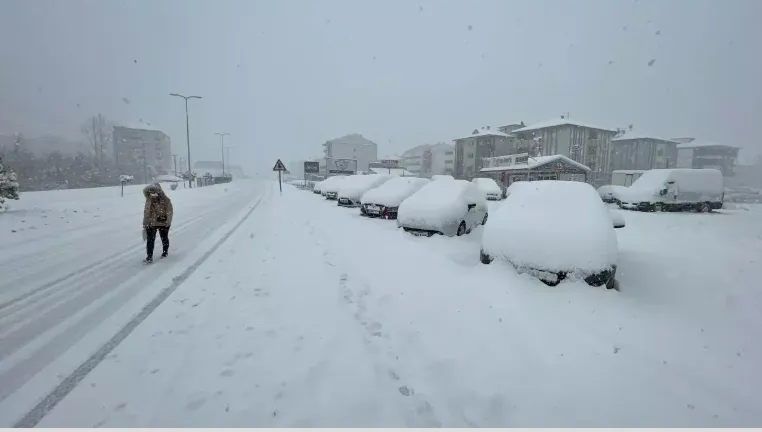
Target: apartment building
pixel 143 153
pixel 352 147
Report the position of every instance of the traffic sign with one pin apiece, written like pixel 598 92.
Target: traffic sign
pixel 279 166
pixel 311 167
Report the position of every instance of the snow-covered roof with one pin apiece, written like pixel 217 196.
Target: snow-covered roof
pixel 560 122
pixel 392 171
pixel 638 136
pixel 693 144
pixel 353 139
pixel 484 132
pixel 534 162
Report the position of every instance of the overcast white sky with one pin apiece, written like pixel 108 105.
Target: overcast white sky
pixel 283 76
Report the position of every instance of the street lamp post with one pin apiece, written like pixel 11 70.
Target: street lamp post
pixel 187 133
pixel 222 148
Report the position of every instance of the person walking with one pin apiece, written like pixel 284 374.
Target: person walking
pixel 157 216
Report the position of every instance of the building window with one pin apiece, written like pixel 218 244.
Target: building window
pixel 470 155
pixel 449 153
pixel 660 152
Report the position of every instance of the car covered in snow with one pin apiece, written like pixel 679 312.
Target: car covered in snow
pixel 384 201
pixel 492 191
pixel 555 230
pixel 611 193
pixel 316 187
pixel 329 188
pixel 513 186
pixel 353 188
pixel 451 208
pixel 437 177
pixel 676 189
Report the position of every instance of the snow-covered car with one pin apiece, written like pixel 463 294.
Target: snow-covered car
pixel 436 177
pixel 555 230
pixel 316 188
pixel 611 193
pixel 384 201
pixel 491 189
pixel 445 207
pixel 356 185
pixel 676 189
pixel 330 186
pixel 513 186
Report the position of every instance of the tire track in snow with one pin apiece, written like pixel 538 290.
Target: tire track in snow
pixel 31 418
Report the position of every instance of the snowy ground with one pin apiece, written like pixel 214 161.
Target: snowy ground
pixel 72 274
pixel 310 315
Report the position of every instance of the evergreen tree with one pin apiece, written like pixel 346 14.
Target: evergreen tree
pixel 9 187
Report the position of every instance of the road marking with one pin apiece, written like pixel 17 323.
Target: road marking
pixel 36 414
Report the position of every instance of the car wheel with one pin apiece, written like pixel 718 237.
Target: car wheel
pixel 461 229
pixel 658 207
pixel 484 258
pixel 705 208
pixel 484 221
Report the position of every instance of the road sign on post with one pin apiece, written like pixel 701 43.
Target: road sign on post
pixel 280 168
pixel 310 168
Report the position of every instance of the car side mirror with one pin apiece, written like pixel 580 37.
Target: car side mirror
pixel 471 207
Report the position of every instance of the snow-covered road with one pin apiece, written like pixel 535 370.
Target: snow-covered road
pixel 72 274
pixel 310 315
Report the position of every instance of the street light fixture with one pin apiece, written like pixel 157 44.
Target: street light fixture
pixel 222 148
pixel 187 133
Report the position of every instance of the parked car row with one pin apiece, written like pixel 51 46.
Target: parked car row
pixel 552 230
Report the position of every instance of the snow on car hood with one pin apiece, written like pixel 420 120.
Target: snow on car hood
pixel 487 185
pixel 437 204
pixel 356 185
pixel 393 192
pixel 553 225
pixel 332 184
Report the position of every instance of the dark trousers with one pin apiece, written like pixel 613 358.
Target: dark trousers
pixel 151 239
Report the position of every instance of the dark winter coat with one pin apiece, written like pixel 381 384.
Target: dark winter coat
pixel 158 210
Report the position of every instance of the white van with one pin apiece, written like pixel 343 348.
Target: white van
pixel 625 177
pixel 675 190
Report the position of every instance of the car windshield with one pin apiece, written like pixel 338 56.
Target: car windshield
pixel 336 213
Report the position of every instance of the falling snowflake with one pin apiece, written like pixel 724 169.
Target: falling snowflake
pixel 125 100
pixel 470 27
pixel 651 63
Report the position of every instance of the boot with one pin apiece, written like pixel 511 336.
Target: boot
pixel 148 260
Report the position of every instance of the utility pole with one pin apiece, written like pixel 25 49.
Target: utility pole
pixel 187 134
pixel 145 164
pixel 222 148
pixel 174 157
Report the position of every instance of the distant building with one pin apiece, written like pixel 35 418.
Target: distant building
pixel 482 143
pixel 350 147
pixel 634 151
pixel 697 154
pixel 581 142
pixel 142 153
pixel 426 160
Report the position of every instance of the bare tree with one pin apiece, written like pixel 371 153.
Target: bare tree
pixel 98 133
